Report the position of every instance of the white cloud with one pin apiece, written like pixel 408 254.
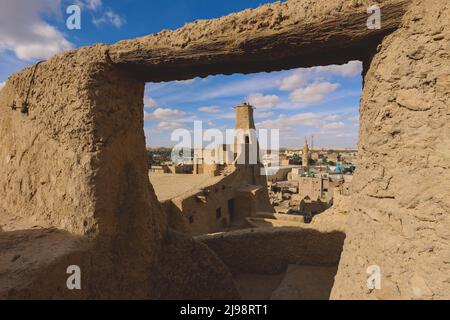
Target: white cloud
pixel 334 125
pixel 334 138
pixel 109 17
pixel 24 31
pixel 2 84
pixel 293 81
pixel 350 69
pixel 93 4
pixel 226 116
pixel 289 122
pixel 301 76
pixel 346 135
pixel 313 93
pixel 354 118
pixel 242 87
pixel 261 101
pixel 167 126
pixel 333 117
pixel 212 109
pixel 309 85
pixel 186 82
pixel 263 115
pixel 164 114
pixel 149 102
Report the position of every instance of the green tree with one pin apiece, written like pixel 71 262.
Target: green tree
pixel 295 160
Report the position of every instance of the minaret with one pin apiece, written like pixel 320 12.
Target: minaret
pixel 244 116
pixel 245 139
pixel 305 156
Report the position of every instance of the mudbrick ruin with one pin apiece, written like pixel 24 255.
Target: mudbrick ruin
pixel 74 186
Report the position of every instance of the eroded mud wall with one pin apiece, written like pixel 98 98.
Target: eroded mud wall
pixel 77 162
pixel 401 202
pixel 47 155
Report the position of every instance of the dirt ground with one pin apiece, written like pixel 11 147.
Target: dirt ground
pixel 299 282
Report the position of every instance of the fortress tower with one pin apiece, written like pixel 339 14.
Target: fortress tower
pixel 244 116
pixel 305 156
pixel 246 142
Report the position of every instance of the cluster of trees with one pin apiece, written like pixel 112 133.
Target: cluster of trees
pixel 158 156
pixel 295 160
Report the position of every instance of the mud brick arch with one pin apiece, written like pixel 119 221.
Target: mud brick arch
pixel 75 164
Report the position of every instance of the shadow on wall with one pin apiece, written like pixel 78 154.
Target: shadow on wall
pixel 33 263
pixel 280 263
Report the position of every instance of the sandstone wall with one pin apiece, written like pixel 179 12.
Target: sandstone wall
pixel 77 162
pixel 401 202
pixel 281 35
pixel 271 250
pixel 48 155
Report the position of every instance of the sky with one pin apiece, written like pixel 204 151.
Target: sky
pixel 321 101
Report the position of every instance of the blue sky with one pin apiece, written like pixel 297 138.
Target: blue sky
pixel 321 101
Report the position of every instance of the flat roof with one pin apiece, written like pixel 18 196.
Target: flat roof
pixel 170 186
pixel 249 189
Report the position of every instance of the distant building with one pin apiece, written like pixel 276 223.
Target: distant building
pixel 284 160
pixel 333 157
pixel 316 194
pixel 281 173
pixel 172 168
pixel 224 188
pixel 315 156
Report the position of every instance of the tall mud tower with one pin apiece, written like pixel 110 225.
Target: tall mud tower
pixel 244 117
pixel 246 141
pixel 246 149
pixel 305 156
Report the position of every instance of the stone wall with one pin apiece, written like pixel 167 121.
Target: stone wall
pixel 401 203
pixel 201 204
pixel 271 250
pixel 277 36
pixel 48 155
pixel 77 162
pixel 203 213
